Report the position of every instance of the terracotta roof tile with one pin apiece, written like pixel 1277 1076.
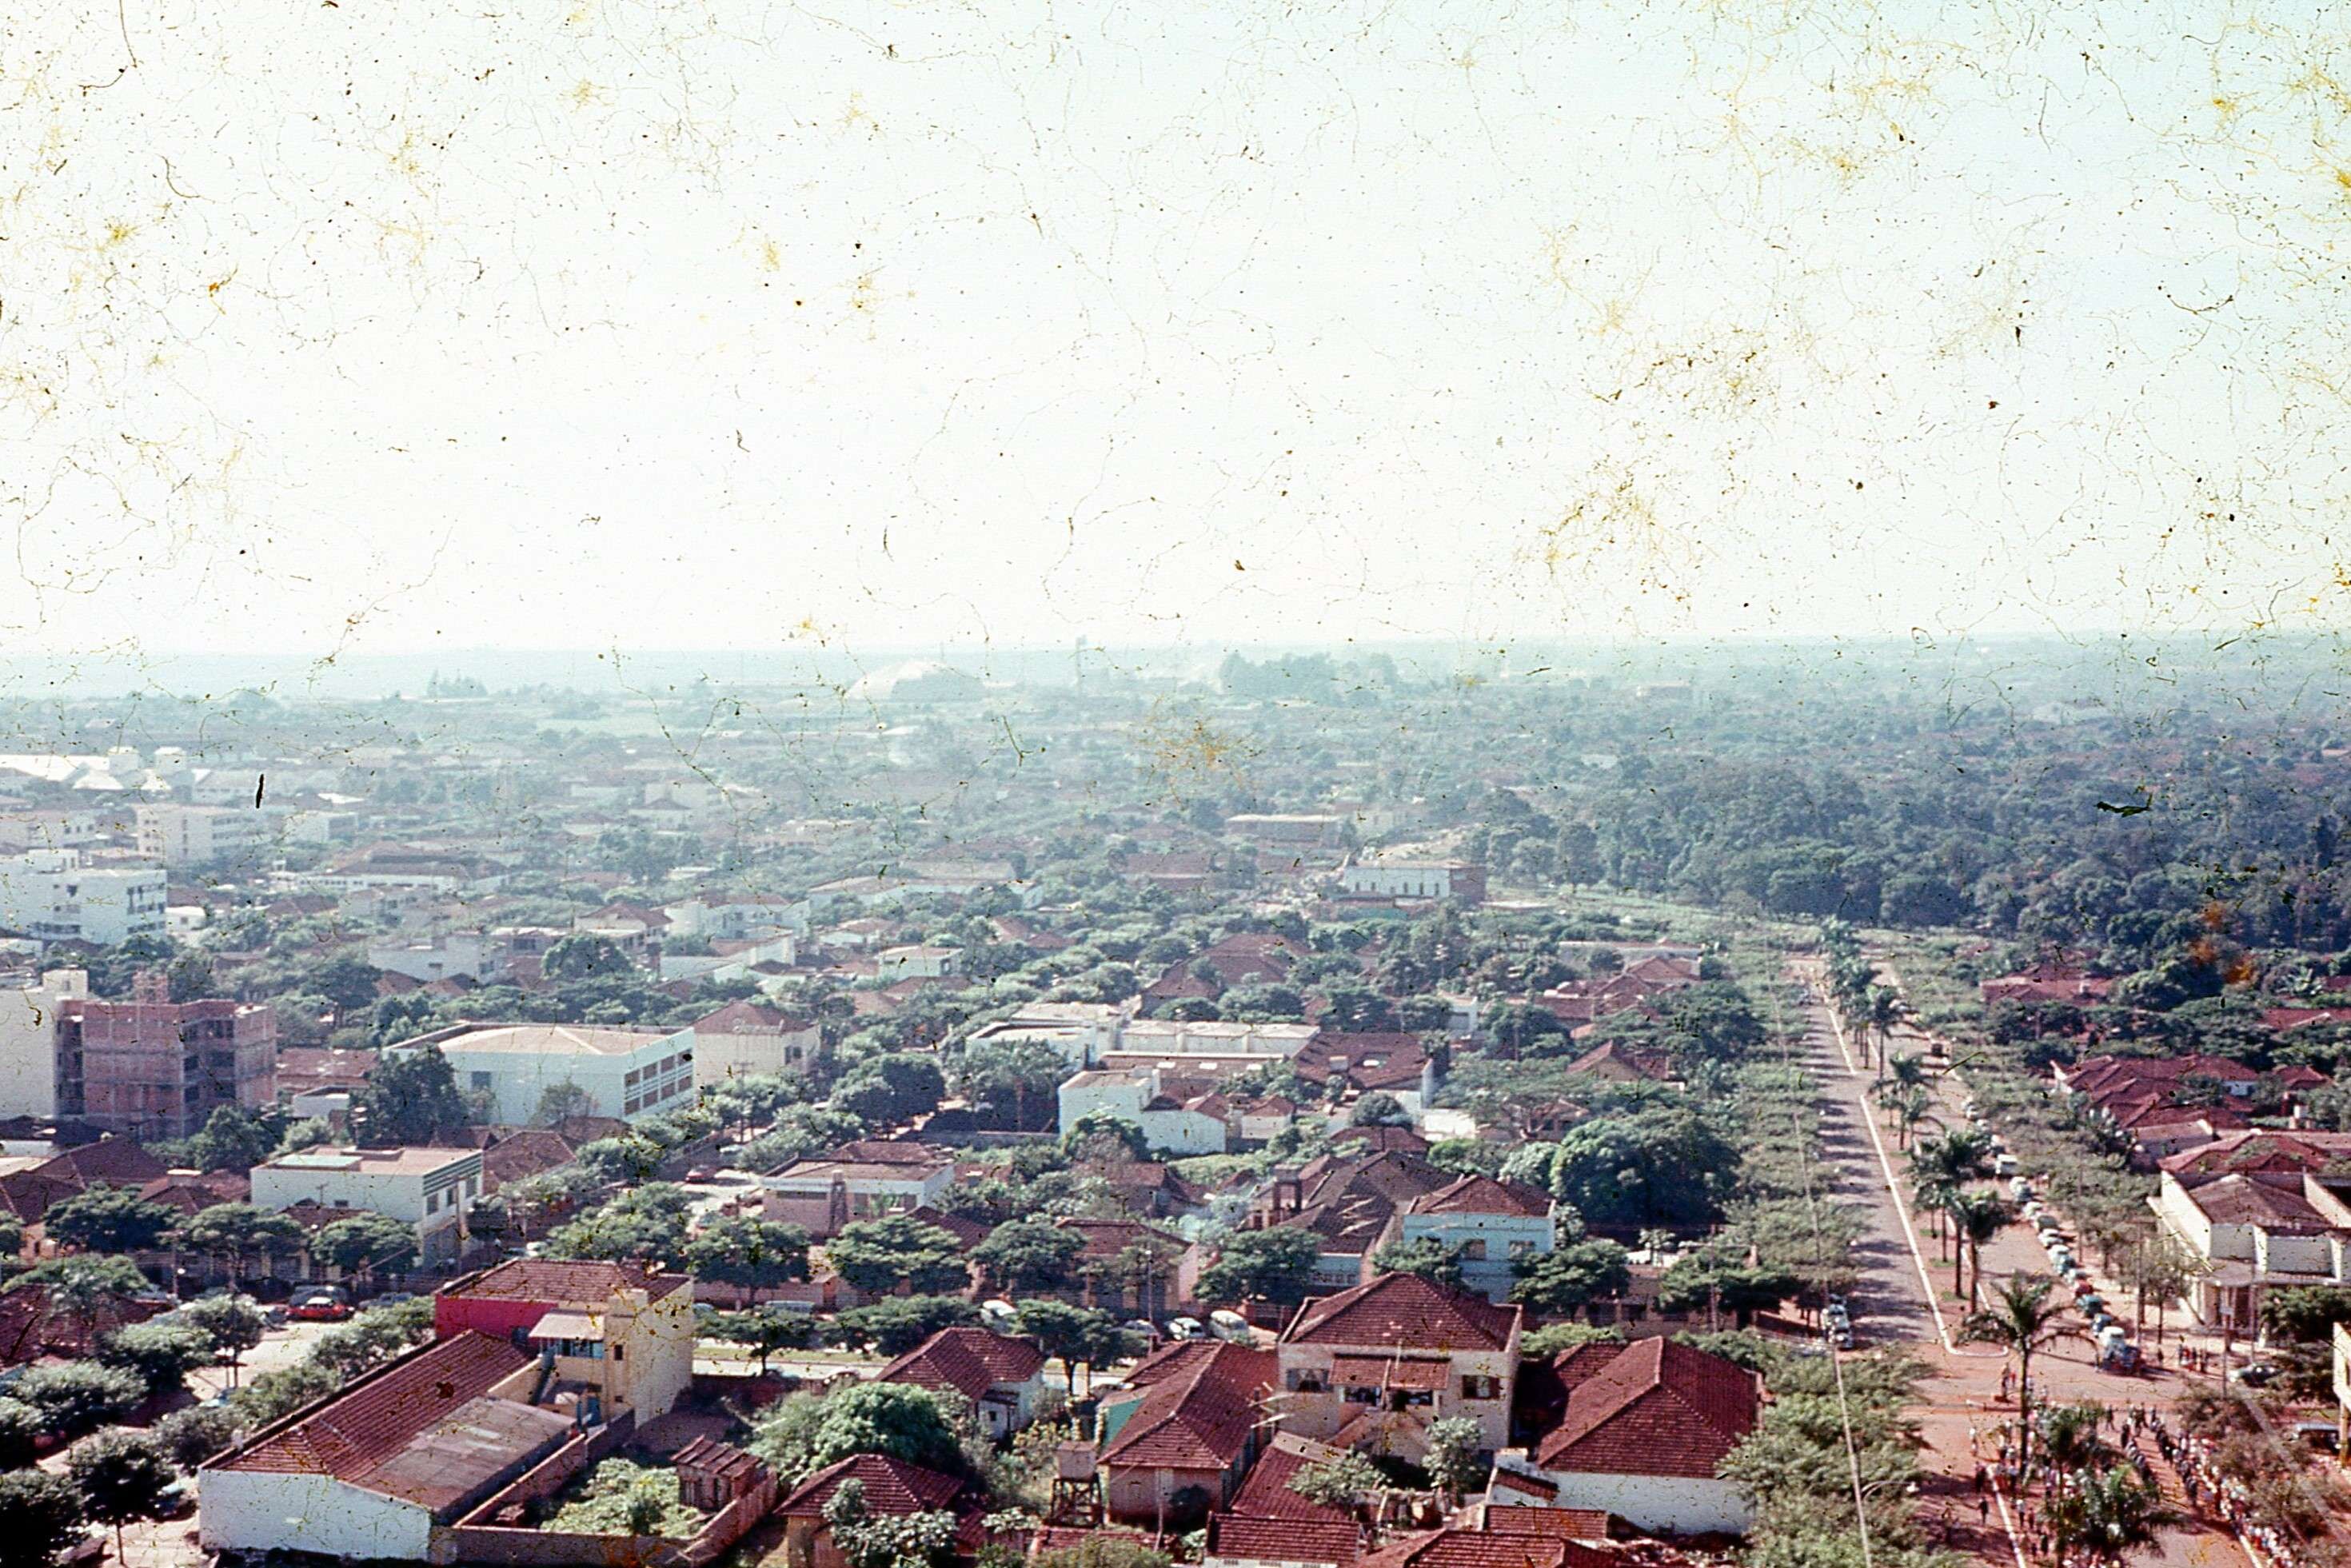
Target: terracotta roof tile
pixel 893 1488
pixel 971 1360
pixel 1658 1409
pixel 574 1282
pixel 1198 1410
pixel 1406 1312
pixel 1284 1540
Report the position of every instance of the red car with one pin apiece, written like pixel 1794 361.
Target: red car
pixel 319 1309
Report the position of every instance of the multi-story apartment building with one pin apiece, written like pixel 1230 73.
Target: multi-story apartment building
pixel 154 1068
pixel 50 895
pixel 28 1042
pixel 193 837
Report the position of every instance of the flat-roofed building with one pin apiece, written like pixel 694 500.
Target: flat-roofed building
pixel 432 1189
pixel 626 1073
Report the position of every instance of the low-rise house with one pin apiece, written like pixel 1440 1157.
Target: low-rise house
pixel 892 1489
pixel 617 1331
pixel 1347 1199
pixel 1002 1378
pixel 432 1189
pixel 1393 1062
pixel 383 1468
pixel 1371 1368
pixel 749 1038
pixel 2048 983
pixel 916 963
pixel 1488 1225
pixel 1178 1114
pixel 1178 1436
pixel 859 1181
pixel 1647 1426
pixel 1129 1267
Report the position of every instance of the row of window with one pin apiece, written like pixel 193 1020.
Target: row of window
pixel 456 1193
pixel 662 1069
pixel 1473 1387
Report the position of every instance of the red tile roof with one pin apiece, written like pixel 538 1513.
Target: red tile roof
pixel 1406 1312
pixel 1557 1523
pixel 1284 1540
pixel 564 1281
pixel 1475 1194
pixel 1469 1549
pixel 1199 1406
pixel 374 1418
pixel 970 1361
pixel 892 1487
pixel 1266 1494
pixel 1658 1409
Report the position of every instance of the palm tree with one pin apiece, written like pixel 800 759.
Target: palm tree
pixel 2023 1321
pixel 1979 1217
pixel 2069 1435
pixel 1946 1166
pixel 1911 1112
pixel 2106 1512
pixel 1908 1072
pixel 1882 1010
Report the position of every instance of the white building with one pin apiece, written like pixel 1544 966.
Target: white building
pixel 195 836
pixel 737 959
pixel 745 1040
pixel 50 895
pixel 1412 879
pixel 1213 1046
pixel 461 955
pixel 916 963
pixel 383 1471
pixel 29 1044
pixel 1647 1426
pixel 1079 1031
pixel 432 1189
pixel 734 917
pixel 1178 1116
pixel 626 1073
pixel 22 830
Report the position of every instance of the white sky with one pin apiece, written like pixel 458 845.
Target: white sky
pixel 676 325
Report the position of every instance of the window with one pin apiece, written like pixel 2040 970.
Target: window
pixel 1473 1251
pixel 431 1203
pixel 1363 1396
pixel 481 1079
pixel 1476 1388
pixel 1522 1249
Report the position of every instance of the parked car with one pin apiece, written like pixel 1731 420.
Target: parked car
pixel 1185 1328
pixel 320 1306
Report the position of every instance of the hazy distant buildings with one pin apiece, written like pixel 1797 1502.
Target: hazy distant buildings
pixel 50 895
pixel 199 837
pixel 1412 879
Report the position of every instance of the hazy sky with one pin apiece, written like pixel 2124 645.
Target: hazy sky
pixel 387 326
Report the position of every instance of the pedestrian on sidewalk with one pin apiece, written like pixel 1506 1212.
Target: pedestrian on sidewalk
pixel 1983 1509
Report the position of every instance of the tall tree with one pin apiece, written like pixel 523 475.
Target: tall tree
pixel 121 1477
pixel 411 1097
pixel 2022 1318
